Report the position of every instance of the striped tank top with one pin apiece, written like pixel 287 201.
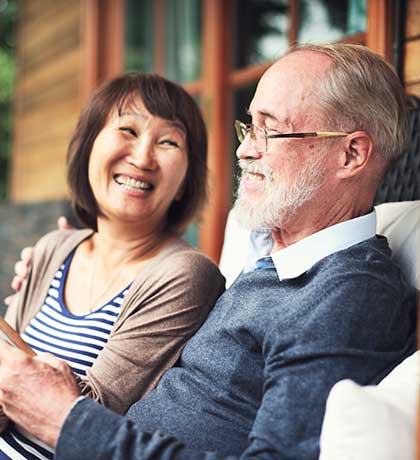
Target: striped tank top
pixel 78 340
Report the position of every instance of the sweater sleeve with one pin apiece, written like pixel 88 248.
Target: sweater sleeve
pixel 93 431
pixel 164 312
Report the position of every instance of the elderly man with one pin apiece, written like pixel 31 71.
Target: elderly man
pixel 329 303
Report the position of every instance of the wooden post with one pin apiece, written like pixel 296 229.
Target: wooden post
pixel 379 27
pixel 103 41
pixel 217 113
pixel 159 36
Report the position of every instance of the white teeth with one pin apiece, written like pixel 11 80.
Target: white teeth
pixel 255 176
pixel 132 184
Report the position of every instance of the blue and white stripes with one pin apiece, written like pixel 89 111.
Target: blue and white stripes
pixel 77 340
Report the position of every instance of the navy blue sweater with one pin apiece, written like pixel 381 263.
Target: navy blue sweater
pixel 253 381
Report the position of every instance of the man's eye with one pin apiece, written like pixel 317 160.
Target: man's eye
pixel 272 131
pixel 128 130
pixel 269 129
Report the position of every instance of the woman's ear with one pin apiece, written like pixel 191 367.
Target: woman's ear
pixel 356 155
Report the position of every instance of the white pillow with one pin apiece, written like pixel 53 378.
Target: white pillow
pixel 400 223
pixel 373 422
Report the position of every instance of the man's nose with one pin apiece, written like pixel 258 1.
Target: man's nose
pixel 247 150
pixel 142 154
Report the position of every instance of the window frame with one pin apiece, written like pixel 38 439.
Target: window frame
pixel 105 58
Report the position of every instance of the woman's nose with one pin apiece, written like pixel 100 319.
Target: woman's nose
pixel 142 154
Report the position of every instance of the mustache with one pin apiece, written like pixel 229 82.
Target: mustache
pixel 253 166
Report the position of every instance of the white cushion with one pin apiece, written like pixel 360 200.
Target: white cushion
pixel 235 249
pixel 373 422
pixel 400 223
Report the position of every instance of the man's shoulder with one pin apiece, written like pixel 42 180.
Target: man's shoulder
pixel 369 255
pixel 364 274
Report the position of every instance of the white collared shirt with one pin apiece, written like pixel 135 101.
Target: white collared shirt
pixel 299 257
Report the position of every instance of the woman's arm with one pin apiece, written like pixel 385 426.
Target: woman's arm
pixel 164 311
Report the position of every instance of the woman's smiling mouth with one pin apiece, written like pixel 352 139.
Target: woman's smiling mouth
pixel 133 185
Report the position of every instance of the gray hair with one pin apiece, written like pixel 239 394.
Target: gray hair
pixel 361 91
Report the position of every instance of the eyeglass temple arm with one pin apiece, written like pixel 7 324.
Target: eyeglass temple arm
pixel 313 134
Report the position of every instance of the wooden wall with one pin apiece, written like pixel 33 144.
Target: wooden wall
pixel 48 96
pixel 412 48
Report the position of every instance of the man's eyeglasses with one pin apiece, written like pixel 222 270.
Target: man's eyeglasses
pixel 259 136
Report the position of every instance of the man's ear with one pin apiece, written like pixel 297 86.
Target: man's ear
pixel 356 155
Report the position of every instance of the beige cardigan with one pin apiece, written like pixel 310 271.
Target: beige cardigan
pixel 163 308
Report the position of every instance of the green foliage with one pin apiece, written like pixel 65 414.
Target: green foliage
pixel 7 75
pixel 8 14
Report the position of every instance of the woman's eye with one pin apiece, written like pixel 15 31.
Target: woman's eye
pixel 169 143
pixel 128 130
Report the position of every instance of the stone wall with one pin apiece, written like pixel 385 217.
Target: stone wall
pixel 20 226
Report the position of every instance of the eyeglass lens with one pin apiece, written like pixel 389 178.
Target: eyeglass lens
pixel 257 135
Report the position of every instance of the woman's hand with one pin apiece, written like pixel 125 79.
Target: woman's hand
pixel 24 264
pixel 37 393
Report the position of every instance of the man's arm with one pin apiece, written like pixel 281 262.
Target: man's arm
pixel 287 424
pixel 93 431
pixel 337 340
pixel 39 394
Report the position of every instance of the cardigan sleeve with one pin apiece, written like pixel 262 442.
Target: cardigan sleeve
pixel 163 313
pixel 25 304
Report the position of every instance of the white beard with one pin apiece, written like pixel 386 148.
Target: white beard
pixel 281 201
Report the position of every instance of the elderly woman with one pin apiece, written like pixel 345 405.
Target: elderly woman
pixel 119 300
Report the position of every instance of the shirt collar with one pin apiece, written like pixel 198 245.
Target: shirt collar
pixel 299 257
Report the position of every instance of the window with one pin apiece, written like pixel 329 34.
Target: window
pixel 218 49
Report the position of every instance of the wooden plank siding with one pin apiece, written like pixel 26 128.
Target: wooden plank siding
pixel 412 48
pixel 413 19
pixel 412 61
pixel 48 97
